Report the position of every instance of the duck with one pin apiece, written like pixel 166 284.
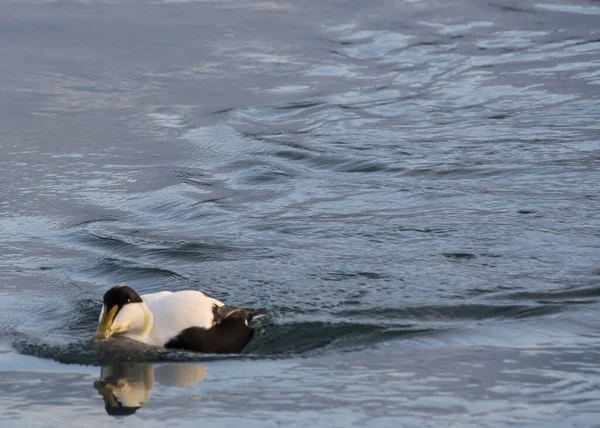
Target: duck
pixel 186 320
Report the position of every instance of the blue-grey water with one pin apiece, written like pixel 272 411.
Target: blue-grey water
pixel 411 188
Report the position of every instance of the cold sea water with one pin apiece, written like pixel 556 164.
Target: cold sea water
pixel 410 188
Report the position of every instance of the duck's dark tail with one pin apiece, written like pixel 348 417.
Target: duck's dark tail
pixel 225 311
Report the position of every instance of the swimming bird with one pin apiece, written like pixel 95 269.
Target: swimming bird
pixel 187 320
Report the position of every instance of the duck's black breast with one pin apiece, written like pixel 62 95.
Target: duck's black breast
pixel 229 334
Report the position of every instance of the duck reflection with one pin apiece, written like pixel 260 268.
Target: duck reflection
pixel 127 387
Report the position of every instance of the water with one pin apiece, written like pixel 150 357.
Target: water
pixel 409 188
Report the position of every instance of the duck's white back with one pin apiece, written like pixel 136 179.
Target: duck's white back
pixel 175 311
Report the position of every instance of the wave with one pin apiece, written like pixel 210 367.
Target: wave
pixel 344 331
pixel 298 339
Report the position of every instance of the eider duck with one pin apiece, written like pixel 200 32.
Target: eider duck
pixel 187 320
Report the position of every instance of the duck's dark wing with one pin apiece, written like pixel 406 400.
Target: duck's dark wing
pixel 229 334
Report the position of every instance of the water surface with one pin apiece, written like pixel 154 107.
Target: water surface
pixel 410 189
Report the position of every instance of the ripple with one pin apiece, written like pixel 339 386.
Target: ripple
pixel 557 295
pixel 270 341
pixel 580 9
pixel 133 244
pixel 460 256
pixel 117 351
pixel 277 337
pixel 372 45
pixel 471 311
pixel 118 271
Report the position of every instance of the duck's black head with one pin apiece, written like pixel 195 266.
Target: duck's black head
pixel 119 296
pixel 113 319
